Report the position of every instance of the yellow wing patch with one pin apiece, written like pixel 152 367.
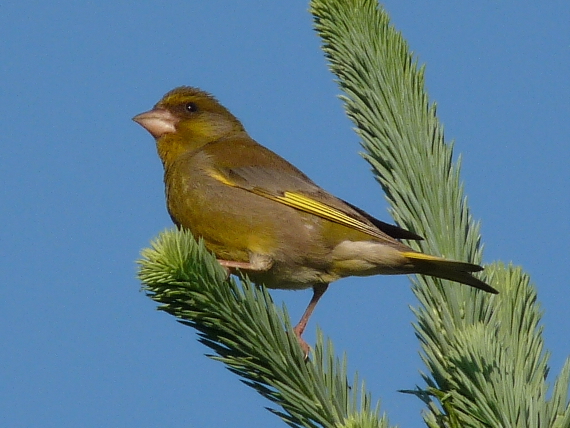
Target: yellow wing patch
pixel 312 206
pixel 306 204
pixel 222 178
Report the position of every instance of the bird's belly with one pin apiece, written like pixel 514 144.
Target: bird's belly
pixel 240 226
pixel 292 277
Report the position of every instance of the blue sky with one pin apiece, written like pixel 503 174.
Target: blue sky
pixel 82 191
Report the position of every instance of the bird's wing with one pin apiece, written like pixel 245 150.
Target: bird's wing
pixel 392 230
pixel 291 187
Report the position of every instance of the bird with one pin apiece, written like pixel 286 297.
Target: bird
pixel 261 215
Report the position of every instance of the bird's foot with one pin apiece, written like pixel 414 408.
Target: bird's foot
pixel 257 263
pixel 298 330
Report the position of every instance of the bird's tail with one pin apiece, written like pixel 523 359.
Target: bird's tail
pixel 448 269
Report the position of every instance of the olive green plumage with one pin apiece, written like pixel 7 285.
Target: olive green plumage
pixel 259 213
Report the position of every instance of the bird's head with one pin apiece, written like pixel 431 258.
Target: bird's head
pixel 185 119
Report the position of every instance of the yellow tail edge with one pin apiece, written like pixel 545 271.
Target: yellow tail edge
pixel 448 269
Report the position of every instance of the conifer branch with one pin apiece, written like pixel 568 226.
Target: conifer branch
pixel 485 354
pixel 248 333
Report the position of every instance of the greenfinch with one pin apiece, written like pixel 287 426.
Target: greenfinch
pixel 259 214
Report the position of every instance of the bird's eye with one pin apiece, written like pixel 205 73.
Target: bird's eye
pixel 191 107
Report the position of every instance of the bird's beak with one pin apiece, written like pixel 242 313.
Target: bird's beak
pixel 157 121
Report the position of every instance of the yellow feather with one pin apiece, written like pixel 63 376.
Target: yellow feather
pixel 306 204
pixel 421 256
pixel 221 178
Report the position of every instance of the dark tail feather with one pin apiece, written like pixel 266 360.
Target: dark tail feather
pixel 464 278
pixel 449 269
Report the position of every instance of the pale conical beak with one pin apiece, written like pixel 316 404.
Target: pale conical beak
pixel 157 121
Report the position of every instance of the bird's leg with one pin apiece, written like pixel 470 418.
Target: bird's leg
pixel 318 291
pixel 236 265
pixel 257 263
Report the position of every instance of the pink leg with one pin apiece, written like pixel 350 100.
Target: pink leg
pixel 257 263
pixel 237 265
pixel 318 291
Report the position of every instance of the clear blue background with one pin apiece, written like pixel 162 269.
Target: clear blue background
pixel 81 190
